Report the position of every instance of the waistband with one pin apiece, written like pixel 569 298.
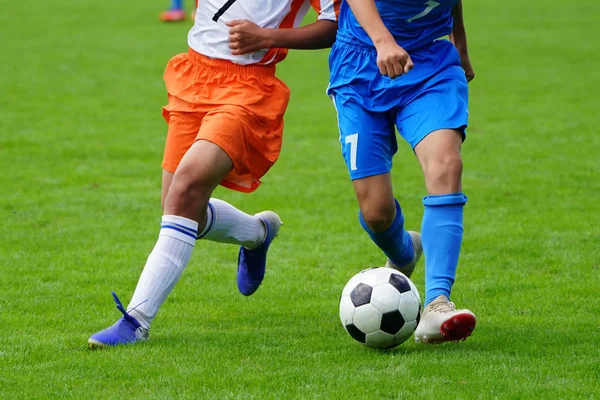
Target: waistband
pixel 350 40
pixel 229 66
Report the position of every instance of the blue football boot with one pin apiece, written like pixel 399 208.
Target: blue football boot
pixel 126 330
pixel 252 263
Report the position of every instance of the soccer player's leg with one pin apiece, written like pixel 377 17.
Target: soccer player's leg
pixel 183 128
pixel 152 289
pixel 175 13
pixel 442 230
pixel 368 145
pixel 247 123
pixel 434 122
pixel 225 223
pixel 199 173
pixel 252 158
pixel 209 161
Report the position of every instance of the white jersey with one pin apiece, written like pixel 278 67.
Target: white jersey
pixel 210 36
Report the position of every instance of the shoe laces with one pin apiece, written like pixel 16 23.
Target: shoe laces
pixel 125 313
pixel 443 307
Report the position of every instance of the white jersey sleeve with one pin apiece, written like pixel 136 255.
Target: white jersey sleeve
pixel 210 36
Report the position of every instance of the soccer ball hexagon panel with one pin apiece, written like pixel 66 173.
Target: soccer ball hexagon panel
pixel 380 307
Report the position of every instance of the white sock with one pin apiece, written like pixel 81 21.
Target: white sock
pixel 227 224
pixel 165 264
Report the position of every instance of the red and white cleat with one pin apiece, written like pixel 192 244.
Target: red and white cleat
pixel 442 322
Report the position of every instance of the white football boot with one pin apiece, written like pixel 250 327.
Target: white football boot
pixel 442 322
pixel 410 267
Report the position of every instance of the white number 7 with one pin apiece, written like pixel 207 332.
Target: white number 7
pixel 430 6
pixel 352 140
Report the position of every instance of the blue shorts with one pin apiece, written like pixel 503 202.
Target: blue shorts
pixel 431 97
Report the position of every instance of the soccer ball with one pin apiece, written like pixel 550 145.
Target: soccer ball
pixel 380 307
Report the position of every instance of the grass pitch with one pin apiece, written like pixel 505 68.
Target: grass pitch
pixel 81 140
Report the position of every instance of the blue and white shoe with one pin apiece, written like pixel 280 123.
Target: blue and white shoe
pixel 252 263
pixel 126 330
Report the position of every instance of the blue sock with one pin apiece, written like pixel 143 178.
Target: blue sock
pixel 395 242
pixel 441 233
pixel 176 4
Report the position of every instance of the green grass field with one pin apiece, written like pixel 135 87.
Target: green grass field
pixel 81 140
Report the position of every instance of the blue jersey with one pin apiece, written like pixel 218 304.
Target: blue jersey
pixel 413 23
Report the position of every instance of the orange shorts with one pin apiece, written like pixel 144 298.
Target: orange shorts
pixel 238 107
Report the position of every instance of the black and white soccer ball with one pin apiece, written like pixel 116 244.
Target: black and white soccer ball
pixel 380 307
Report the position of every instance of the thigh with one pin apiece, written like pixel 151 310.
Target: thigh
pixel 199 173
pixel 439 156
pixel 354 74
pixel 367 138
pixel 246 121
pixel 252 146
pixel 167 179
pixel 439 102
pixel 182 132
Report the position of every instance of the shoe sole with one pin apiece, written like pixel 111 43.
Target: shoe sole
pixel 457 328
pixel 95 345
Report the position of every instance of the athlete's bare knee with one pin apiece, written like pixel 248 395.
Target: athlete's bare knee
pixel 443 174
pixel 188 195
pixel 376 200
pixel 378 216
